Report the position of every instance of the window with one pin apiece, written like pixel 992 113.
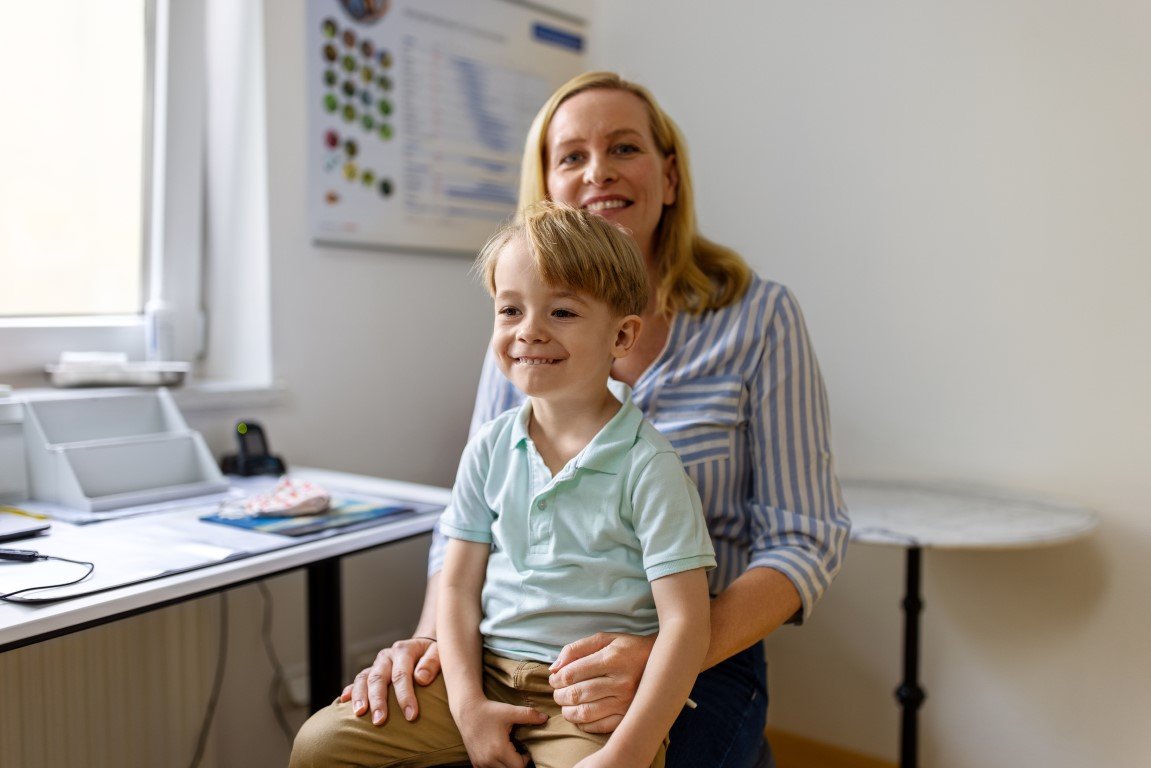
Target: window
pixel 73 152
pixel 101 191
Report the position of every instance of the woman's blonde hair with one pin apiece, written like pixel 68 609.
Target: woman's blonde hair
pixel 695 274
pixel 577 250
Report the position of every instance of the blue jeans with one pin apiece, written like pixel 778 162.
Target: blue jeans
pixel 726 728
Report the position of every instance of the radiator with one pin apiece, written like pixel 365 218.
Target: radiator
pixel 130 693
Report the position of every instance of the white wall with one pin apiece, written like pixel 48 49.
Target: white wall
pixel 959 195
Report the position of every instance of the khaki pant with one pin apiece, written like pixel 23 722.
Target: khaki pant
pixel 335 737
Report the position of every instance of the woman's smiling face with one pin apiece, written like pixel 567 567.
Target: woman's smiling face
pixel 601 156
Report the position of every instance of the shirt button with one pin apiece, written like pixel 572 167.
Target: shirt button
pixel 544 504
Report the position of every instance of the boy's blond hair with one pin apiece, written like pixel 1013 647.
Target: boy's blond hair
pixel 574 249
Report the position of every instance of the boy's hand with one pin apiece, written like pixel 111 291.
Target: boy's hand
pixel 595 678
pixel 486 727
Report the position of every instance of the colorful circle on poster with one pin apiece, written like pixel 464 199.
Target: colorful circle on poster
pixel 329 27
pixel 368 178
pixel 348 63
pixel 350 171
pixel 330 77
pixel 367 49
pixel 385 58
pixel 331 139
pixel 331 103
pixel 385 107
pixel 349 38
pixel 350 113
pixel 351 148
pixel 349 88
pixel 386 188
pixel 330 52
pixel 367 121
pixel 385 131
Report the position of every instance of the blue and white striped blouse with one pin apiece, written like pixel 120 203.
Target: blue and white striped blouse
pixel 739 393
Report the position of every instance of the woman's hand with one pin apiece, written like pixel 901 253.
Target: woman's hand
pixel 596 678
pixel 416 659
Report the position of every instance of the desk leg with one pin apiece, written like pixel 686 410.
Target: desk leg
pixel 325 633
pixel 909 694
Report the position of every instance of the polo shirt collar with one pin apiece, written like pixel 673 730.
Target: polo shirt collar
pixel 608 449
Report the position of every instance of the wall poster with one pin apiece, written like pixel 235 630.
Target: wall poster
pixel 417 113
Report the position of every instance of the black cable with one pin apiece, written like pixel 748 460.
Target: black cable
pixel 37 556
pixel 217 684
pixel 278 677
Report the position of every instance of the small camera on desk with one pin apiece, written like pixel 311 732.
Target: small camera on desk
pixel 252 457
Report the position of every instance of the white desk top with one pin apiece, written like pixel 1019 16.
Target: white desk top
pixel 949 516
pixel 186 537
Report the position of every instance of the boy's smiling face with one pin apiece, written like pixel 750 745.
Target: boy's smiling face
pixel 550 341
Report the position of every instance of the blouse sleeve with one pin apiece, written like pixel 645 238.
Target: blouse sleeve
pixel 494 395
pixel 798 521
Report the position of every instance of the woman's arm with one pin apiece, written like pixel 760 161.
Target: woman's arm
pixel 682 604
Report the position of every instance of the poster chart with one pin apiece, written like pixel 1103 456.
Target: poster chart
pixel 417 114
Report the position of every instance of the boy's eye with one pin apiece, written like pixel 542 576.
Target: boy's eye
pixel 564 313
pixel 508 311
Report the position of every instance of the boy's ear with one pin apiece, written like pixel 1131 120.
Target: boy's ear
pixel 629 328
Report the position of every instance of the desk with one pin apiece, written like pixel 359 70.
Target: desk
pixel 22 625
pixel 925 516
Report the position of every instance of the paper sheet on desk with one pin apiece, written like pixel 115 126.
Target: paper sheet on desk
pixel 149 552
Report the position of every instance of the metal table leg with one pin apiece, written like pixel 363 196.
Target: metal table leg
pixel 909 694
pixel 325 633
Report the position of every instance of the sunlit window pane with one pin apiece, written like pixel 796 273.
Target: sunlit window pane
pixel 73 79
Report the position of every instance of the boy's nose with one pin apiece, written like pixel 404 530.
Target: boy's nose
pixel 531 330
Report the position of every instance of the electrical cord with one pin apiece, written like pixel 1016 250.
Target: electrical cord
pixel 278 683
pixel 31 556
pixel 217 684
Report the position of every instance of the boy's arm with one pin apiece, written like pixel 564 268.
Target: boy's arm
pixel 484 725
pixel 458 616
pixel 682 602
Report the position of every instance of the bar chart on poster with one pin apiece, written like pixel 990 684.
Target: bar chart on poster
pixel 417 114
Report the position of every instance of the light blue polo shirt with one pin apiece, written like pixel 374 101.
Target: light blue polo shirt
pixel 572 555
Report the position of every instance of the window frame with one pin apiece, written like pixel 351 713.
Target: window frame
pixel 172 237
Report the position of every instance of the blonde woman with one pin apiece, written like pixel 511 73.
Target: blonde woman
pixel 725 370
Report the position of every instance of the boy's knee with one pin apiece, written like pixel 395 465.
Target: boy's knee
pixel 313 743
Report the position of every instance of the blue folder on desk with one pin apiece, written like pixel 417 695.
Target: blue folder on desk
pixel 342 513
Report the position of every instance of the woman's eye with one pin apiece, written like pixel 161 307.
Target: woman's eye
pixel 571 158
pixel 626 149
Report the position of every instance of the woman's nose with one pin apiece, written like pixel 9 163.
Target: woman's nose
pixel 600 170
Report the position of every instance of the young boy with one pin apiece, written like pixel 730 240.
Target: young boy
pixel 570 515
